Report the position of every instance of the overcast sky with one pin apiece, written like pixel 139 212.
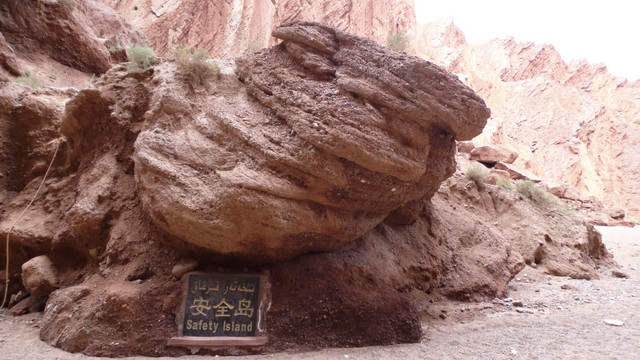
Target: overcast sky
pixel 599 31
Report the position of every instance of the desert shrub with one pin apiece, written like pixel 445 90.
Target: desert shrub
pixel 397 41
pixel 28 80
pixel 568 210
pixel 140 57
pixel 504 182
pixel 71 4
pixel 529 189
pixel 254 47
pixel 115 48
pixel 195 65
pixel 477 173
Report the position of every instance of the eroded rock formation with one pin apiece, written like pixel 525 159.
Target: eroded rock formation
pixel 343 131
pixel 367 135
pixel 72 33
pixel 573 123
pixel 231 28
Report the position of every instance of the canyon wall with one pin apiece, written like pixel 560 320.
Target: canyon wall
pixel 229 29
pixel 572 123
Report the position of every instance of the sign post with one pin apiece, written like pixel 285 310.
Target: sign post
pixel 222 310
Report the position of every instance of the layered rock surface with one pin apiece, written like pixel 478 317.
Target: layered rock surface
pixel 231 28
pixel 573 123
pixel 342 131
pixel 113 264
pixel 73 34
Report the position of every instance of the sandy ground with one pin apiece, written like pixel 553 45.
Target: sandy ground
pixel 544 318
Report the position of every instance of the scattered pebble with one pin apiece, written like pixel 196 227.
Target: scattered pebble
pixel 524 310
pixel 517 303
pixel 619 274
pixel 612 322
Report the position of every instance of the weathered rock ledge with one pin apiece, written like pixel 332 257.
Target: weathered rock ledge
pixel 323 136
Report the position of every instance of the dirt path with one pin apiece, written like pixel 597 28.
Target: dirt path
pixel 558 318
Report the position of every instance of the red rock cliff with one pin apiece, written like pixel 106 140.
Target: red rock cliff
pixel 232 28
pixel 574 123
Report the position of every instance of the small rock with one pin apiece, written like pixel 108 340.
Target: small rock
pixel 17 297
pixel 29 305
pixel 617 214
pixel 612 322
pixel 524 310
pixel 183 266
pixel 517 303
pixel 442 316
pixel 619 274
pixel 508 299
pixel 39 276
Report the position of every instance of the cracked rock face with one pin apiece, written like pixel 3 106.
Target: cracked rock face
pixel 313 143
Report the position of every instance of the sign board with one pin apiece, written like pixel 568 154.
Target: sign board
pixel 221 310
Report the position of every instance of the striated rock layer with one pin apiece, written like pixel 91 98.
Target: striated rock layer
pixel 75 34
pixel 342 132
pixel 232 28
pixel 573 123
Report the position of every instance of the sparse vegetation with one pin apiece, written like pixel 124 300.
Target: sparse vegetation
pixel 529 189
pixel 195 65
pixel 567 210
pixel 398 41
pixel 53 77
pixel 71 4
pixel 28 80
pixel 140 56
pixel 504 182
pixel 633 219
pixel 115 48
pixel 255 46
pixel 477 173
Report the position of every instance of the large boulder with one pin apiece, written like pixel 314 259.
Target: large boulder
pixel 493 153
pixel 317 142
pixel 516 173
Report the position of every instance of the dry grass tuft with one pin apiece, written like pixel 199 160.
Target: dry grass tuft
pixel 141 57
pixel 477 173
pixel 195 65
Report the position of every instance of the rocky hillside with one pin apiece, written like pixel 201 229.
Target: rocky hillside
pixel 574 123
pixel 327 162
pixel 229 29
